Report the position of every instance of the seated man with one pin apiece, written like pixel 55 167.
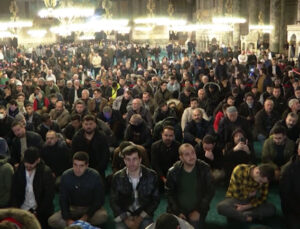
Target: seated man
pixel 188 113
pixel 137 108
pixel 265 120
pixel 231 121
pixel 114 121
pixel 247 193
pixel 209 152
pixel 196 129
pixel 70 130
pixel 46 125
pixel 189 187
pixel 5 123
pixel 33 119
pixel 164 153
pixel 138 132
pixel 290 123
pixel 6 174
pixel 278 148
pixel 81 195
pixel 33 186
pixel 60 114
pixel 56 154
pixel 134 192
pixel 118 157
pixel 23 139
pixel 93 141
pixel 289 191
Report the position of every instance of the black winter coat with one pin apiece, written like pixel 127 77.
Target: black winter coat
pixel 97 149
pixel 290 187
pixel 43 188
pixel 205 188
pixel 32 138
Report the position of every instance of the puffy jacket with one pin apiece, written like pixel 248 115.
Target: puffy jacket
pixel 205 188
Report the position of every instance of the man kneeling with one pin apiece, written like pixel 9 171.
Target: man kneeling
pixel 81 195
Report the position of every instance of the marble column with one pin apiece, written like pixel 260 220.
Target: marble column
pixel 220 7
pixel 236 30
pixel 275 16
pixel 253 11
pixel 298 12
pixel 198 33
pixel 262 7
pixel 135 6
pixel 283 28
pixel 163 7
pixel 198 4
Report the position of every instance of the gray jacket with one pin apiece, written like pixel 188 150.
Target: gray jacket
pixel 6 173
pixel 118 101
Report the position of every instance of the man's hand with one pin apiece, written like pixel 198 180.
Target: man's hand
pixel 277 174
pixel 194 216
pixel 249 218
pixel 252 194
pixel 182 216
pixel 242 207
pixel 241 146
pixel 133 222
pixel 137 221
pixel 84 218
pixel 129 222
pixel 69 142
pixel 198 140
pixel 164 179
pixel 69 222
pixel 209 154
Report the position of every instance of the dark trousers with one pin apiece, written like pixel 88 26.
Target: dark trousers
pixel 227 208
pixel 293 221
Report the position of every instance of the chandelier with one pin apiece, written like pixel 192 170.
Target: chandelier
pixel 50 3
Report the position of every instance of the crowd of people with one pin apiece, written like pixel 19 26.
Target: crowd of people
pixel 177 125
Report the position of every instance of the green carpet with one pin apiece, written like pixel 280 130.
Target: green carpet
pixel 213 220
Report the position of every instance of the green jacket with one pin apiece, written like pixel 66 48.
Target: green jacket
pixel 269 150
pixel 6 173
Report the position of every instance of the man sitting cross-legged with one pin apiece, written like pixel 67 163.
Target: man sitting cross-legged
pixel 81 195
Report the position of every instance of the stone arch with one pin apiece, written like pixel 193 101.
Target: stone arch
pixel 251 46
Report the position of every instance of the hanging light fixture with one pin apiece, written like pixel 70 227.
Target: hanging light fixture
pixel 50 3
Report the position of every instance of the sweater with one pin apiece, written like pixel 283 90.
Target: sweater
pixel 84 191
